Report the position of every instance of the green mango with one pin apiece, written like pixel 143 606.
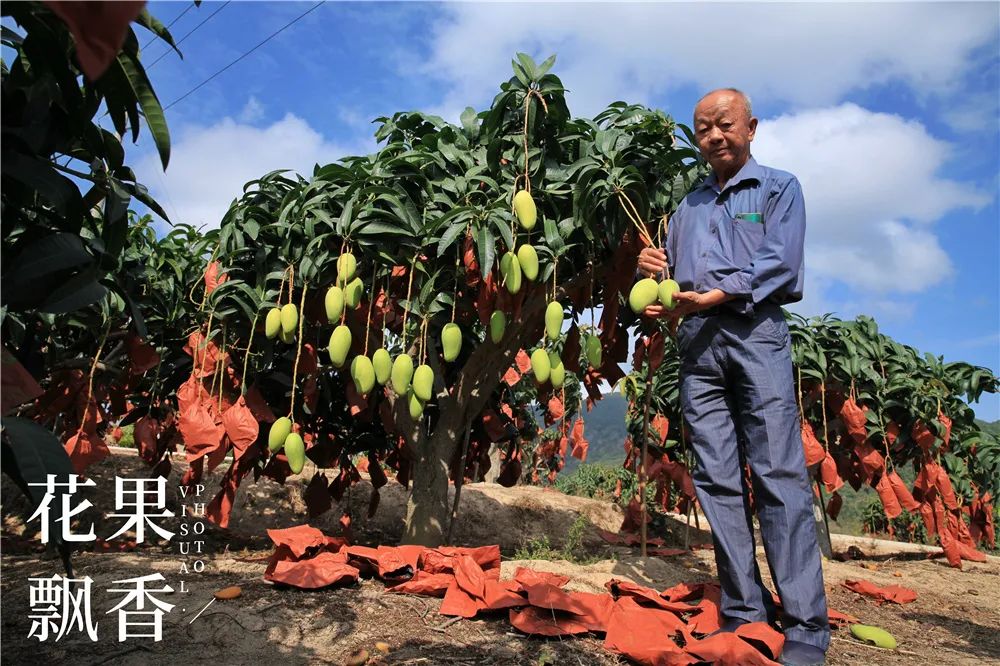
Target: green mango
pixel 423 382
pixel 382 363
pixel 510 268
pixel 643 294
pixel 415 404
pixel 363 374
pixel 402 373
pixel 340 345
pixel 665 293
pixel 498 324
pixel 289 318
pixel 288 338
pixel 272 324
pixel 874 635
pixel 540 365
pixel 594 351
pixel 334 304
pixel 557 372
pixel 553 320
pixel 295 450
pixel 528 258
pixel 279 431
pixel 353 292
pixel 347 265
pixel 524 208
pixel 451 341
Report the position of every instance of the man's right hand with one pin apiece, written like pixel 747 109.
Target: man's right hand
pixel 652 261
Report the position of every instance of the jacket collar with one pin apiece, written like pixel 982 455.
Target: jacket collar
pixel 749 171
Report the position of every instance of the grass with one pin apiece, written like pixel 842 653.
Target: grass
pixel 571 551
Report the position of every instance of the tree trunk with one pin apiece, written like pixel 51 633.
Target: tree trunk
pixel 427 510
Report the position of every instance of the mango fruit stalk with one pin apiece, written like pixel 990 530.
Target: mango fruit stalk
pixel 643 294
pixel 272 324
pixel 451 341
pixel 524 208
pixel 528 258
pixel 553 320
pixel 340 344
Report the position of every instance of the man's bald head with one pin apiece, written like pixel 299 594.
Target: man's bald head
pixel 739 94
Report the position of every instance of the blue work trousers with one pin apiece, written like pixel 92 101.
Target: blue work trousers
pixel 737 395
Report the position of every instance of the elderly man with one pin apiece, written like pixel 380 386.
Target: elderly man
pixel 735 245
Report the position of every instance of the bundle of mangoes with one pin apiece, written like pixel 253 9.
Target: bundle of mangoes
pixel 647 291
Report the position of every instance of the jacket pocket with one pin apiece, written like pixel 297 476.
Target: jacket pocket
pixel 747 238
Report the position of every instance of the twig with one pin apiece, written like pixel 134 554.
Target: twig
pixel 445 625
pixel 122 653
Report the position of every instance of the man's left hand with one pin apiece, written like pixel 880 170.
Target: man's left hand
pixel 686 302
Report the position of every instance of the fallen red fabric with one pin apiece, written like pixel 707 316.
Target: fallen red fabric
pixel 894 593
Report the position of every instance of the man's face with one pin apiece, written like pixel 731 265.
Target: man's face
pixel 724 131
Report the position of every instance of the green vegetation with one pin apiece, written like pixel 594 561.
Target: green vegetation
pixel 571 551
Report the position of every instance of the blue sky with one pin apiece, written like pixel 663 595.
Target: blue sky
pixel 887 113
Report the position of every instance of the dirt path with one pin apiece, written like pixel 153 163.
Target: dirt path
pixel 955 619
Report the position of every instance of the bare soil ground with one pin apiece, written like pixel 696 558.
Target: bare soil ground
pixel 955 620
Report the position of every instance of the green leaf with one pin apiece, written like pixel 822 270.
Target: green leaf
pixel 30 453
pixel 486 249
pixel 79 291
pixel 150 104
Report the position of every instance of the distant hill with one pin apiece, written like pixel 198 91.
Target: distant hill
pixel 992 428
pixel 604 428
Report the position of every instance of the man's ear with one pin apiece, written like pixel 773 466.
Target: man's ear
pixel 753 128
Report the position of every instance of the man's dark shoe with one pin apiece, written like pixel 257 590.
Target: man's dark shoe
pixel 802 654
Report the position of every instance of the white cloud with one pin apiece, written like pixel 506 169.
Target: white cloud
pixel 252 111
pixel 804 54
pixel 872 194
pixel 210 165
